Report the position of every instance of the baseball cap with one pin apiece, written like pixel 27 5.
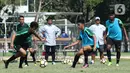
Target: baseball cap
pixel 97 18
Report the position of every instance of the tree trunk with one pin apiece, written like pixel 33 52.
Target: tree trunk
pixel 39 9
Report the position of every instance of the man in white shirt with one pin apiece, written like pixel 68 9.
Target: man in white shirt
pixel 50 32
pixel 99 29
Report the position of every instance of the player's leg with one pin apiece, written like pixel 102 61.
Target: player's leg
pixel 86 50
pixel 118 50
pixel 47 49
pixel 23 57
pixel 77 56
pixel 33 52
pixel 26 61
pixel 109 46
pixel 93 54
pixel 53 49
pixel 21 52
pixel 101 50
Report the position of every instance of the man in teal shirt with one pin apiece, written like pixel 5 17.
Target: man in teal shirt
pixel 114 37
pixel 88 40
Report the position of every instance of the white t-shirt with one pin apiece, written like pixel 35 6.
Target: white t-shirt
pixel 51 32
pixel 98 30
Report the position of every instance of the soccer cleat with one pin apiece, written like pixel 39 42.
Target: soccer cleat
pixel 72 67
pixel 20 67
pixel 103 61
pixel 6 64
pixel 85 66
pixel 26 65
pixel 53 63
pixel 110 63
pixel 35 64
pixel 117 65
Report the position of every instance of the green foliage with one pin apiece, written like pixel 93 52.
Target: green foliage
pixel 92 3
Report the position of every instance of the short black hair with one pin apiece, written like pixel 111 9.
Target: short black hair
pixel 80 21
pixel 50 18
pixel 34 24
pixel 21 16
pixel 111 13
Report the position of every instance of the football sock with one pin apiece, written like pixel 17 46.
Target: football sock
pixel 109 55
pixel 33 57
pixel 21 61
pixel 26 62
pixel 11 59
pixel 86 53
pixel 76 58
pixel 118 57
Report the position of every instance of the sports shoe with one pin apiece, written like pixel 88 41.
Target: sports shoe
pixel 103 61
pixel 26 65
pixel 110 63
pixel 35 64
pixel 85 66
pixel 20 67
pixel 6 64
pixel 117 65
pixel 53 63
pixel 72 67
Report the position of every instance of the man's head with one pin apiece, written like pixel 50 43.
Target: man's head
pixel 34 25
pixel 97 20
pixel 21 19
pixel 81 24
pixel 49 20
pixel 111 17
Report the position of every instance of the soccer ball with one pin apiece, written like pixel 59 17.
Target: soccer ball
pixel 81 61
pixel 67 61
pixel 43 63
pixel 64 61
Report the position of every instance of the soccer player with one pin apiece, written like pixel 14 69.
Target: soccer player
pixel 99 30
pixel 22 41
pixel 89 44
pixel 21 28
pixel 50 32
pixel 114 37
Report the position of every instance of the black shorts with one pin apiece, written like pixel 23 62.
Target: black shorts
pixel 112 42
pixel 25 46
pixel 101 48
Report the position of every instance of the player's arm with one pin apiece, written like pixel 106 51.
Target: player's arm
pixel 42 32
pixel 75 43
pixel 94 38
pixel 58 31
pixel 105 35
pixel 35 34
pixel 91 34
pixel 12 39
pixel 124 30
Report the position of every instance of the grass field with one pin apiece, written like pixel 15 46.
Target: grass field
pixel 63 68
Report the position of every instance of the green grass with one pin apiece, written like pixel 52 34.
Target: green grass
pixel 69 53
pixel 63 68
